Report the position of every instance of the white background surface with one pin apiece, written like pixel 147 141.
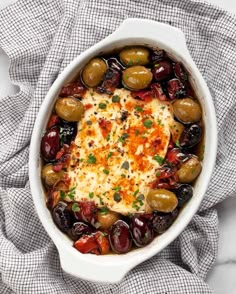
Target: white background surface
pixel 222 277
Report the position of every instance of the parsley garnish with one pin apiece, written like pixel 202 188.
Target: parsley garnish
pixel 108 137
pixel 123 175
pixel 177 143
pixel 62 194
pixel 158 159
pixel 138 108
pixel 75 207
pixel 136 192
pixel 137 132
pixel 163 107
pixel 91 158
pixel 89 122
pixel 158 173
pixel 147 123
pixel 91 194
pixel 102 105
pixel 103 210
pixel 71 193
pixel 123 137
pixel 106 171
pixel 117 189
pixel 109 155
pixel 115 98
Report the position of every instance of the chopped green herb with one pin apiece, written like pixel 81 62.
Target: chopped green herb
pixel 193 171
pixel 126 76
pixel 117 189
pixel 137 60
pixel 137 132
pixel 91 159
pixel 130 62
pixel 123 137
pixel 158 173
pixel 109 155
pixel 123 175
pixel 138 108
pixel 81 159
pixel 62 195
pixel 106 171
pixel 100 200
pixel 107 102
pixel 156 65
pixel 125 165
pixel 104 210
pixel 144 137
pixel 116 197
pixel 147 123
pixel 163 107
pixel 91 195
pixel 158 121
pixel 71 193
pixel 158 159
pixel 75 207
pixel 102 105
pixel 115 98
pixel 136 192
pixel 177 143
pixel 108 137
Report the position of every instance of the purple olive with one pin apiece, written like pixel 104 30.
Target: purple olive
pixel 162 221
pixel 68 132
pixel 50 144
pixel 119 237
pixel 162 70
pixel 62 217
pixel 180 73
pixel 190 136
pixel 184 193
pixel 79 229
pixel 176 89
pixel 141 230
pixel 114 63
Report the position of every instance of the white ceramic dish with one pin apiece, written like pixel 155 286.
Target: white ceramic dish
pixel 112 268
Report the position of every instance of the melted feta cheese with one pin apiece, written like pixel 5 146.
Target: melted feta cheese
pixel 118 148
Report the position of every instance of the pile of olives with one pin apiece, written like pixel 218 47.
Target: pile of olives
pixel 146 72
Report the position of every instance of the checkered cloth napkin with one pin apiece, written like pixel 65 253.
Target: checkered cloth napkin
pixel 41 37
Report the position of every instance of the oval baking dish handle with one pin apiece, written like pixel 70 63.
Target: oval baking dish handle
pixel 167 34
pixel 83 266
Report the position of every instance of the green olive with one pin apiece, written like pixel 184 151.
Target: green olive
pixel 176 130
pixel 134 55
pixel 50 176
pixel 187 110
pixel 162 200
pixel 137 77
pixel 107 220
pixel 69 109
pixel 93 72
pixel 189 170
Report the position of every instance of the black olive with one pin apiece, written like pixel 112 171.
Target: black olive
pixel 62 217
pixel 190 136
pixel 184 193
pixel 68 132
pixel 162 221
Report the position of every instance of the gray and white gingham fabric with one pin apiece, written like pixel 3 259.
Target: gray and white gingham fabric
pixel 41 37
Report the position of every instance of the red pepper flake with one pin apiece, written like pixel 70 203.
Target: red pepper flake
pixel 54 120
pixel 88 106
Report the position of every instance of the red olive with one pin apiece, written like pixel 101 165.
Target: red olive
pixel 162 70
pixel 50 143
pixel 141 230
pixel 120 238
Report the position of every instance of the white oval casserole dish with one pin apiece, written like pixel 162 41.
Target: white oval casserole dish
pixel 112 268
